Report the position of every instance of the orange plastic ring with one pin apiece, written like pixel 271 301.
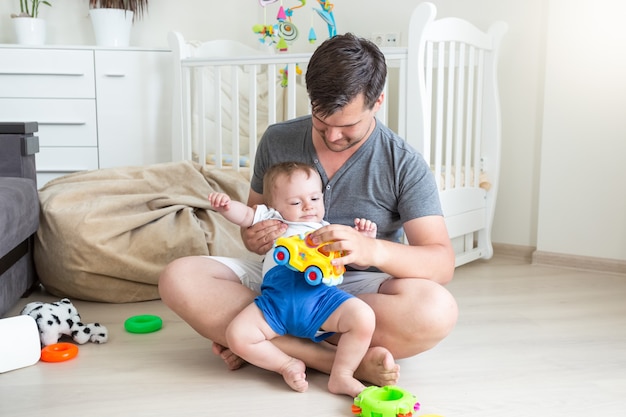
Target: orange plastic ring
pixel 59 352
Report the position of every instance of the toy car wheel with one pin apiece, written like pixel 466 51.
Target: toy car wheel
pixel 281 255
pixel 313 275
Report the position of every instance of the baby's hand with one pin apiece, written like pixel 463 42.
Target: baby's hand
pixel 366 227
pixel 219 201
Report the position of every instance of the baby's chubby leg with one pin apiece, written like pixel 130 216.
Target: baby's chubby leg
pixel 249 336
pixel 355 320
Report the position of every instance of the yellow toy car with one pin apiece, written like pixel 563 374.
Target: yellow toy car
pixel 300 254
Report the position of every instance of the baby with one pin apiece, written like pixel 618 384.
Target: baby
pixel 287 303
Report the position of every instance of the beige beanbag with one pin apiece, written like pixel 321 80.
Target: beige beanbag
pixel 105 235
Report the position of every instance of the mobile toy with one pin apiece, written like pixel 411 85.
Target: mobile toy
pixel 284 32
pixel 389 401
pixel 300 254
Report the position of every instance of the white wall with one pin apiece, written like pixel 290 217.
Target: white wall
pixel 582 207
pixel 564 221
pixel 68 21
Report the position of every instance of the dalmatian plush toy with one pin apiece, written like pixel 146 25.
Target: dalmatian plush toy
pixel 61 318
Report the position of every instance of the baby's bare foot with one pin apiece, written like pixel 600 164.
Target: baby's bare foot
pixel 293 373
pixel 231 360
pixel 344 384
pixel 378 367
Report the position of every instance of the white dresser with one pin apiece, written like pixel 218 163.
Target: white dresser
pixel 96 108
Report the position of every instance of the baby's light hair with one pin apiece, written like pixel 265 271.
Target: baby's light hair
pixel 283 168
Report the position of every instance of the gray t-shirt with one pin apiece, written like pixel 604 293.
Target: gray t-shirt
pixel 386 180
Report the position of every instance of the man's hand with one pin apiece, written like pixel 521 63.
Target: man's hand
pixel 259 238
pixel 358 250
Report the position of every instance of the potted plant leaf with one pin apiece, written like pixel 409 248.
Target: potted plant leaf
pixel 113 19
pixel 29 28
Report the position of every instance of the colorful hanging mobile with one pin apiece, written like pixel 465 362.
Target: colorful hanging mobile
pixel 284 31
pixel 326 13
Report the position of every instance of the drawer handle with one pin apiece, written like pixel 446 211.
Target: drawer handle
pixel 62 123
pixel 65 74
pixel 63 170
pixel 115 75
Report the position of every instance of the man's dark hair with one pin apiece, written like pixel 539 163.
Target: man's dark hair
pixel 340 69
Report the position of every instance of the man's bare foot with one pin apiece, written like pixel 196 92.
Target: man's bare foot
pixel 345 384
pixel 293 373
pixel 232 361
pixel 378 367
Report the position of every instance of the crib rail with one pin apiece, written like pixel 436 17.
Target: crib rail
pixel 194 69
pixel 285 98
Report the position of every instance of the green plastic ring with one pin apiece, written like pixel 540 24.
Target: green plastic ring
pixel 144 323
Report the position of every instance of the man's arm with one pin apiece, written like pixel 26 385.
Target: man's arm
pixel 260 237
pixel 428 255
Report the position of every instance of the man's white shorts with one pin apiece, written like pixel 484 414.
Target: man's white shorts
pixel 354 282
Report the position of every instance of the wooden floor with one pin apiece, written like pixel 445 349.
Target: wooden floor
pixel 531 341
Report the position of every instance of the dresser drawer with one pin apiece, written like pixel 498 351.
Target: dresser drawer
pixel 62 122
pixel 57 162
pixel 66 160
pixel 51 73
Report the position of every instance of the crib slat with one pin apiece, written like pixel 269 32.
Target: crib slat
pixel 201 122
pixel 235 119
pixel 185 148
pixel 430 104
pixel 219 137
pixel 271 93
pixel 252 111
pixel 450 113
pixel 439 98
pixel 469 113
pixel 402 91
pixel 479 114
pixel 382 112
pixel 291 90
pixel 458 124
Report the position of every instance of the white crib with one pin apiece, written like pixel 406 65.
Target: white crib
pixel 441 95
